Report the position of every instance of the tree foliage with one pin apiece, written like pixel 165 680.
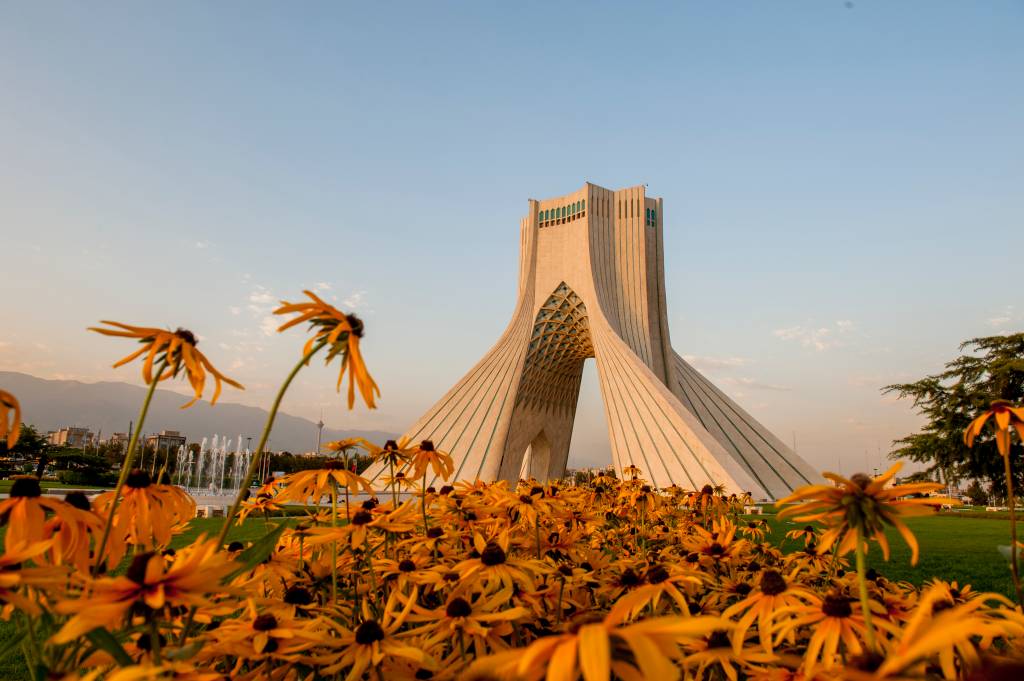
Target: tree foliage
pixel 992 368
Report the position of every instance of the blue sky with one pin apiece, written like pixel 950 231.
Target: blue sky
pixel 842 186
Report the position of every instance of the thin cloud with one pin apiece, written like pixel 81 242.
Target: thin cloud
pixel 753 384
pixel 705 363
pixel 819 338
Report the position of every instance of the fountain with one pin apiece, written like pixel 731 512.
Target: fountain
pixel 207 473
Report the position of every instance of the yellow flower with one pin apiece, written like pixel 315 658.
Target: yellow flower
pixel 148 513
pixel 375 640
pixel 1006 415
pixel 317 483
pixel 831 619
pixel 425 456
pixel 271 635
pixel 10 418
pixel 189 580
pixel 14 575
pixel 177 350
pixel 865 505
pixel 24 512
pixel 342 333
pixel 950 634
pixel 763 604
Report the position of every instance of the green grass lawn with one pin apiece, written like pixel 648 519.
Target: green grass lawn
pixel 5 486
pixel 952 546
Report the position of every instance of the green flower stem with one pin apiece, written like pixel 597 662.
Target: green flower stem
pixel 126 466
pixel 243 489
pixel 1014 569
pixel 394 494
pixel 154 640
pixel 423 503
pixel 865 603
pixel 334 543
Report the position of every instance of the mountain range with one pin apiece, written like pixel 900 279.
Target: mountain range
pixel 110 406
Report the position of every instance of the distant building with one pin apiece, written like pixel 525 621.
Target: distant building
pixel 166 440
pixel 118 440
pixel 71 437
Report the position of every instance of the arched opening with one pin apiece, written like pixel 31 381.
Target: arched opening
pixel 537 459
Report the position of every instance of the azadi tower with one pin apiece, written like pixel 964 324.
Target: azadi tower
pixel 592 285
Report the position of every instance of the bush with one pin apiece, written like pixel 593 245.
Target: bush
pixel 85 477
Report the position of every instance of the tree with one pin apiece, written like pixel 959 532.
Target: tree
pixel 976 493
pixel 30 444
pixel 950 399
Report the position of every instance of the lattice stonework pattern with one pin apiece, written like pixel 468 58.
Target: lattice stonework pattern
pixel 554 360
pixel 592 284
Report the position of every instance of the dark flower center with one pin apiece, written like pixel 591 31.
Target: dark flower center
pixel 236 546
pixel 264 622
pixel 459 607
pixel 138 479
pixel 357 325
pixel 657 574
pixel 406 566
pixel 369 504
pixel 369 632
pixel 446 490
pixel 427 446
pixel 137 570
pixel 525 499
pixel 716 549
pixel 434 532
pixel 492 554
pixel 772 583
pixel 536 491
pixel 362 518
pixel 862 480
pixel 565 570
pixel 26 487
pixel 187 336
pixel 743 588
pixel 867 661
pixel 707 490
pixel 809 528
pixel 390 445
pixel 719 639
pixel 836 605
pixel 629 578
pixel 78 500
pixel 298 595
pixel 424 674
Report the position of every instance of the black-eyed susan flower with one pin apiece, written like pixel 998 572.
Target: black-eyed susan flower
pixel 830 620
pixel 341 334
pixel 189 578
pixel 369 643
pixel 862 505
pixel 148 513
pixel 317 483
pixel 10 418
pixel 1004 416
pixel 25 513
pixel 762 606
pixel 174 351
pixel 425 457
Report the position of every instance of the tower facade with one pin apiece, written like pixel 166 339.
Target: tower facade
pixel 592 285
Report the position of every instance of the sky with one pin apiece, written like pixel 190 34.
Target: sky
pixel 841 183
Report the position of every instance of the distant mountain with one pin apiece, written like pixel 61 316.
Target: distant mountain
pixel 109 406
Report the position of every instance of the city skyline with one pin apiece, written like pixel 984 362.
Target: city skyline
pixel 853 190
